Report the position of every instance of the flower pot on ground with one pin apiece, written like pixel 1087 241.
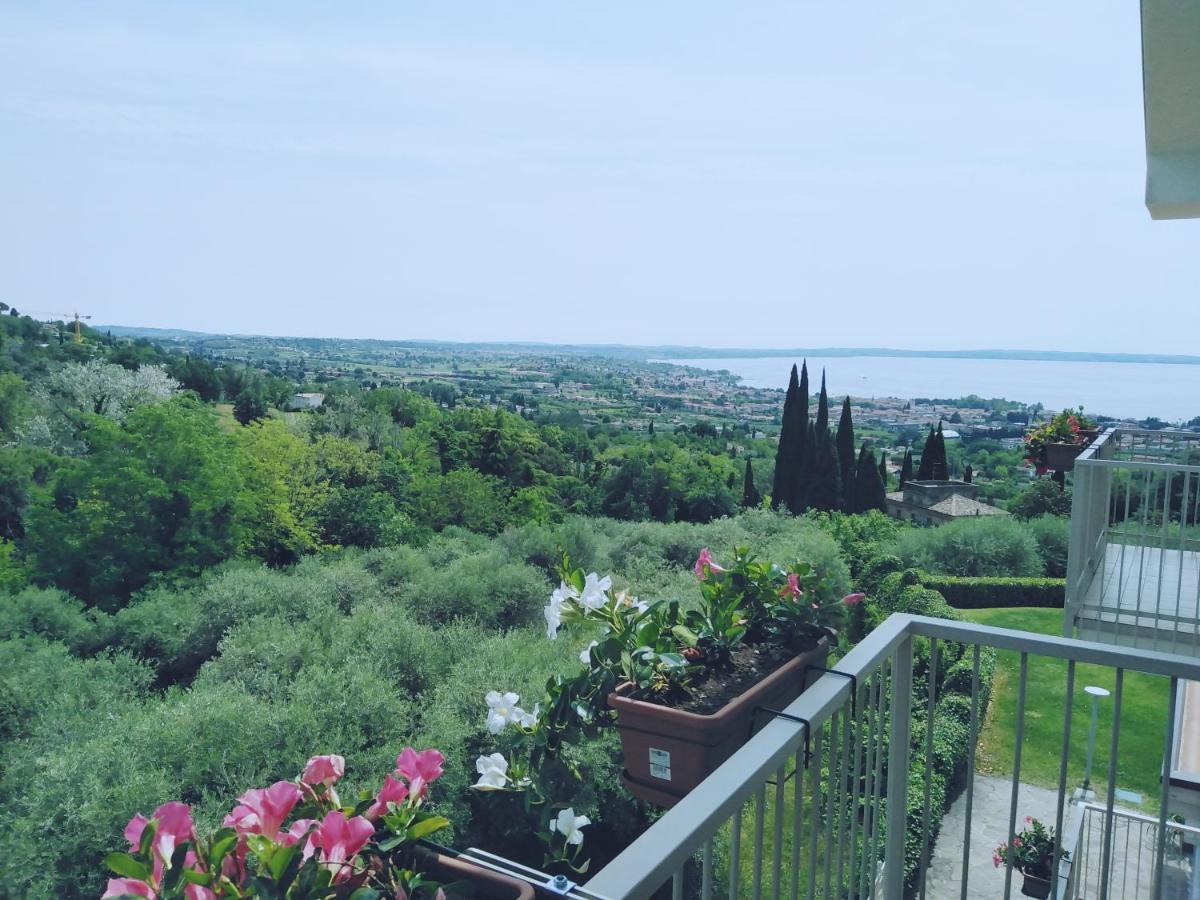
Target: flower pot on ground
pixel 669 751
pixel 1032 854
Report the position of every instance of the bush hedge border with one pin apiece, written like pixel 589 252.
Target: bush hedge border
pixel 984 592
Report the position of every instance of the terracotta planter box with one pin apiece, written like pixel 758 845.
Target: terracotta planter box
pixel 1061 457
pixel 484 882
pixel 669 751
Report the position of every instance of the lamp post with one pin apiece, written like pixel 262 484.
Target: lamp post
pixel 1095 693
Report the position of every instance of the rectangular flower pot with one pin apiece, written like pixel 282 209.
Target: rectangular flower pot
pixel 483 882
pixel 669 751
pixel 1035 886
pixel 1061 457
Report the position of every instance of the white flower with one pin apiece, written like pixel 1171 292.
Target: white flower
pixel 595 591
pixel 502 710
pixel 568 824
pixel 553 610
pixel 493 772
pixel 528 719
pixel 585 656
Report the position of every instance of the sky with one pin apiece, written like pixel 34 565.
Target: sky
pixel 767 174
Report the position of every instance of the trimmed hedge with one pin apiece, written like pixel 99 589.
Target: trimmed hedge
pixel 978 593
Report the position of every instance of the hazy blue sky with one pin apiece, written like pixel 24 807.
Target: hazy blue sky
pixel 753 174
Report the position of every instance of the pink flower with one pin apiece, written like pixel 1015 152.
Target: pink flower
pixel 793 588
pixel 1029 820
pixel 120 887
pixel 243 820
pixel 996 860
pixel 421 769
pixel 393 791
pixel 174 826
pixel 301 828
pixel 195 891
pixel 133 831
pixel 323 770
pixel 705 564
pixel 270 806
pixel 854 599
pixel 340 839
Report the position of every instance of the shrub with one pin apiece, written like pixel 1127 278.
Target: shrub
pixel 484 587
pixel 977 593
pixel 993 545
pixel 1053 537
pixel 1043 497
pixel 55 616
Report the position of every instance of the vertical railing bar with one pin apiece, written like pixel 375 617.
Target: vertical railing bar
pixel 760 818
pixel 869 780
pixel 1169 477
pixel 831 804
pixel 1183 505
pixel 931 705
pixel 706 871
pixel 856 781
pixel 900 747
pixel 877 806
pixel 848 812
pixel 777 831
pixel 814 810
pixel 1125 868
pixel 1016 779
pixel 797 822
pixel 971 739
pixel 735 851
pixel 1069 706
pixel 1168 755
pixel 677 884
pixel 1112 782
pixel 1121 577
pixel 1142 562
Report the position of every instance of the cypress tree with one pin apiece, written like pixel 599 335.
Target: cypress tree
pixel 968 473
pixel 940 469
pixel 928 452
pixel 822 410
pixel 750 495
pixel 845 452
pixel 883 470
pixel 825 489
pixel 906 467
pixel 869 491
pixel 807 472
pixel 786 453
pixel 795 487
pixel 650 429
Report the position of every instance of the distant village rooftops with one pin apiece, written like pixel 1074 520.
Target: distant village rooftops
pixel 305 401
pixel 933 502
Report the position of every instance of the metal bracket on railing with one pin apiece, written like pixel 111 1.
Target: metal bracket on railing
pixel 559 884
pixel 780 714
pixel 853 683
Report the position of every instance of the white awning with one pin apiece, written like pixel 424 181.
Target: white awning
pixel 1171 86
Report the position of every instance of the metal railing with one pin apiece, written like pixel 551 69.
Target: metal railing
pixel 1133 570
pixel 823 803
pixel 1150 861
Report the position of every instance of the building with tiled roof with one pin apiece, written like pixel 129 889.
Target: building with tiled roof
pixel 935 502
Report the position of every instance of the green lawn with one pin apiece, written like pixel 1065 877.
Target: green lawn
pixel 1143 715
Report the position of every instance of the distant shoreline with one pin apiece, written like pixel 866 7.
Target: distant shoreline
pixel 671 352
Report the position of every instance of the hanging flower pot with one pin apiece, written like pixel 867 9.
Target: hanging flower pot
pixel 1035 886
pixel 669 751
pixel 1053 445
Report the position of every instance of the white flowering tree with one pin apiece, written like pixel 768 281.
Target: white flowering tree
pixel 91 388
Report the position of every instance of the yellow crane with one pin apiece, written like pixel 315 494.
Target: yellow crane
pixel 64 317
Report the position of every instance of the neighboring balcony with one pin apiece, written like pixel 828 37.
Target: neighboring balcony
pixel 835 799
pixel 1133 574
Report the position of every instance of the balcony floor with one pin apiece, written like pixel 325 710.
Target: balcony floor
pixel 1144 597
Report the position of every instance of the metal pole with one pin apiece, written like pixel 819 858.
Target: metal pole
pixel 1095 693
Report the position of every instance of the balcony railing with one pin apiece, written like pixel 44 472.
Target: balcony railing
pixel 1133 574
pixel 816 803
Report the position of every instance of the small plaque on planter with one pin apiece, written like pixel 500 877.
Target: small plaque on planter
pixel 660 764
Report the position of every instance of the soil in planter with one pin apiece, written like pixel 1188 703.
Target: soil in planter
pixel 711 689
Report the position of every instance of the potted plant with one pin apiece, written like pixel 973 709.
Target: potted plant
pixel 1053 445
pixel 1031 854
pixel 299 840
pixel 685 688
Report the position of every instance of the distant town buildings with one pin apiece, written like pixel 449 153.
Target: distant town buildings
pixel 305 401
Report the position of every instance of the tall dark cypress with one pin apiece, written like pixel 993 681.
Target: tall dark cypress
pixel 788 449
pixel 906 467
pixel 822 410
pixel 750 495
pixel 869 492
pixel 940 469
pixel 968 473
pixel 883 470
pixel 807 472
pixel 825 487
pixel 928 454
pixel 845 452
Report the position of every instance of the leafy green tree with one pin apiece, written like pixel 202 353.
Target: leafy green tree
pixel 1042 498
pixel 159 494
pixel 251 403
pixel 751 498
pixel 194 373
pixel 357 517
pixel 14 402
pixel 845 452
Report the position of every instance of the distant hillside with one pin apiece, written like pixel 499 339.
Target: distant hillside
pixel 672 351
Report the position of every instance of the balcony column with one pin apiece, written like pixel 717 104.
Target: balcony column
pixel 898 761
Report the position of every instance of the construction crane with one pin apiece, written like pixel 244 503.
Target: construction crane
pixel 63 317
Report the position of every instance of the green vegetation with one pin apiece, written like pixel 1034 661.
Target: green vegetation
pixel 1143 711
pixel 976 593
pixel 972 547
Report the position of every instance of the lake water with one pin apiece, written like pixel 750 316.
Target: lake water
pixel 1123 390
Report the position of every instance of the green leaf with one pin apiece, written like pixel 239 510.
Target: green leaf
pixel 685 634
pixel 429 826
pixel 365 893
pixel 201 878
pixel 392 843
pixel 280 859
pixel 126 866
pixel 220 848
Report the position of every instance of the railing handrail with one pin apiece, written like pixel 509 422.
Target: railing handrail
pixel 654 856
pixel 1094 454
pixel 1139 817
